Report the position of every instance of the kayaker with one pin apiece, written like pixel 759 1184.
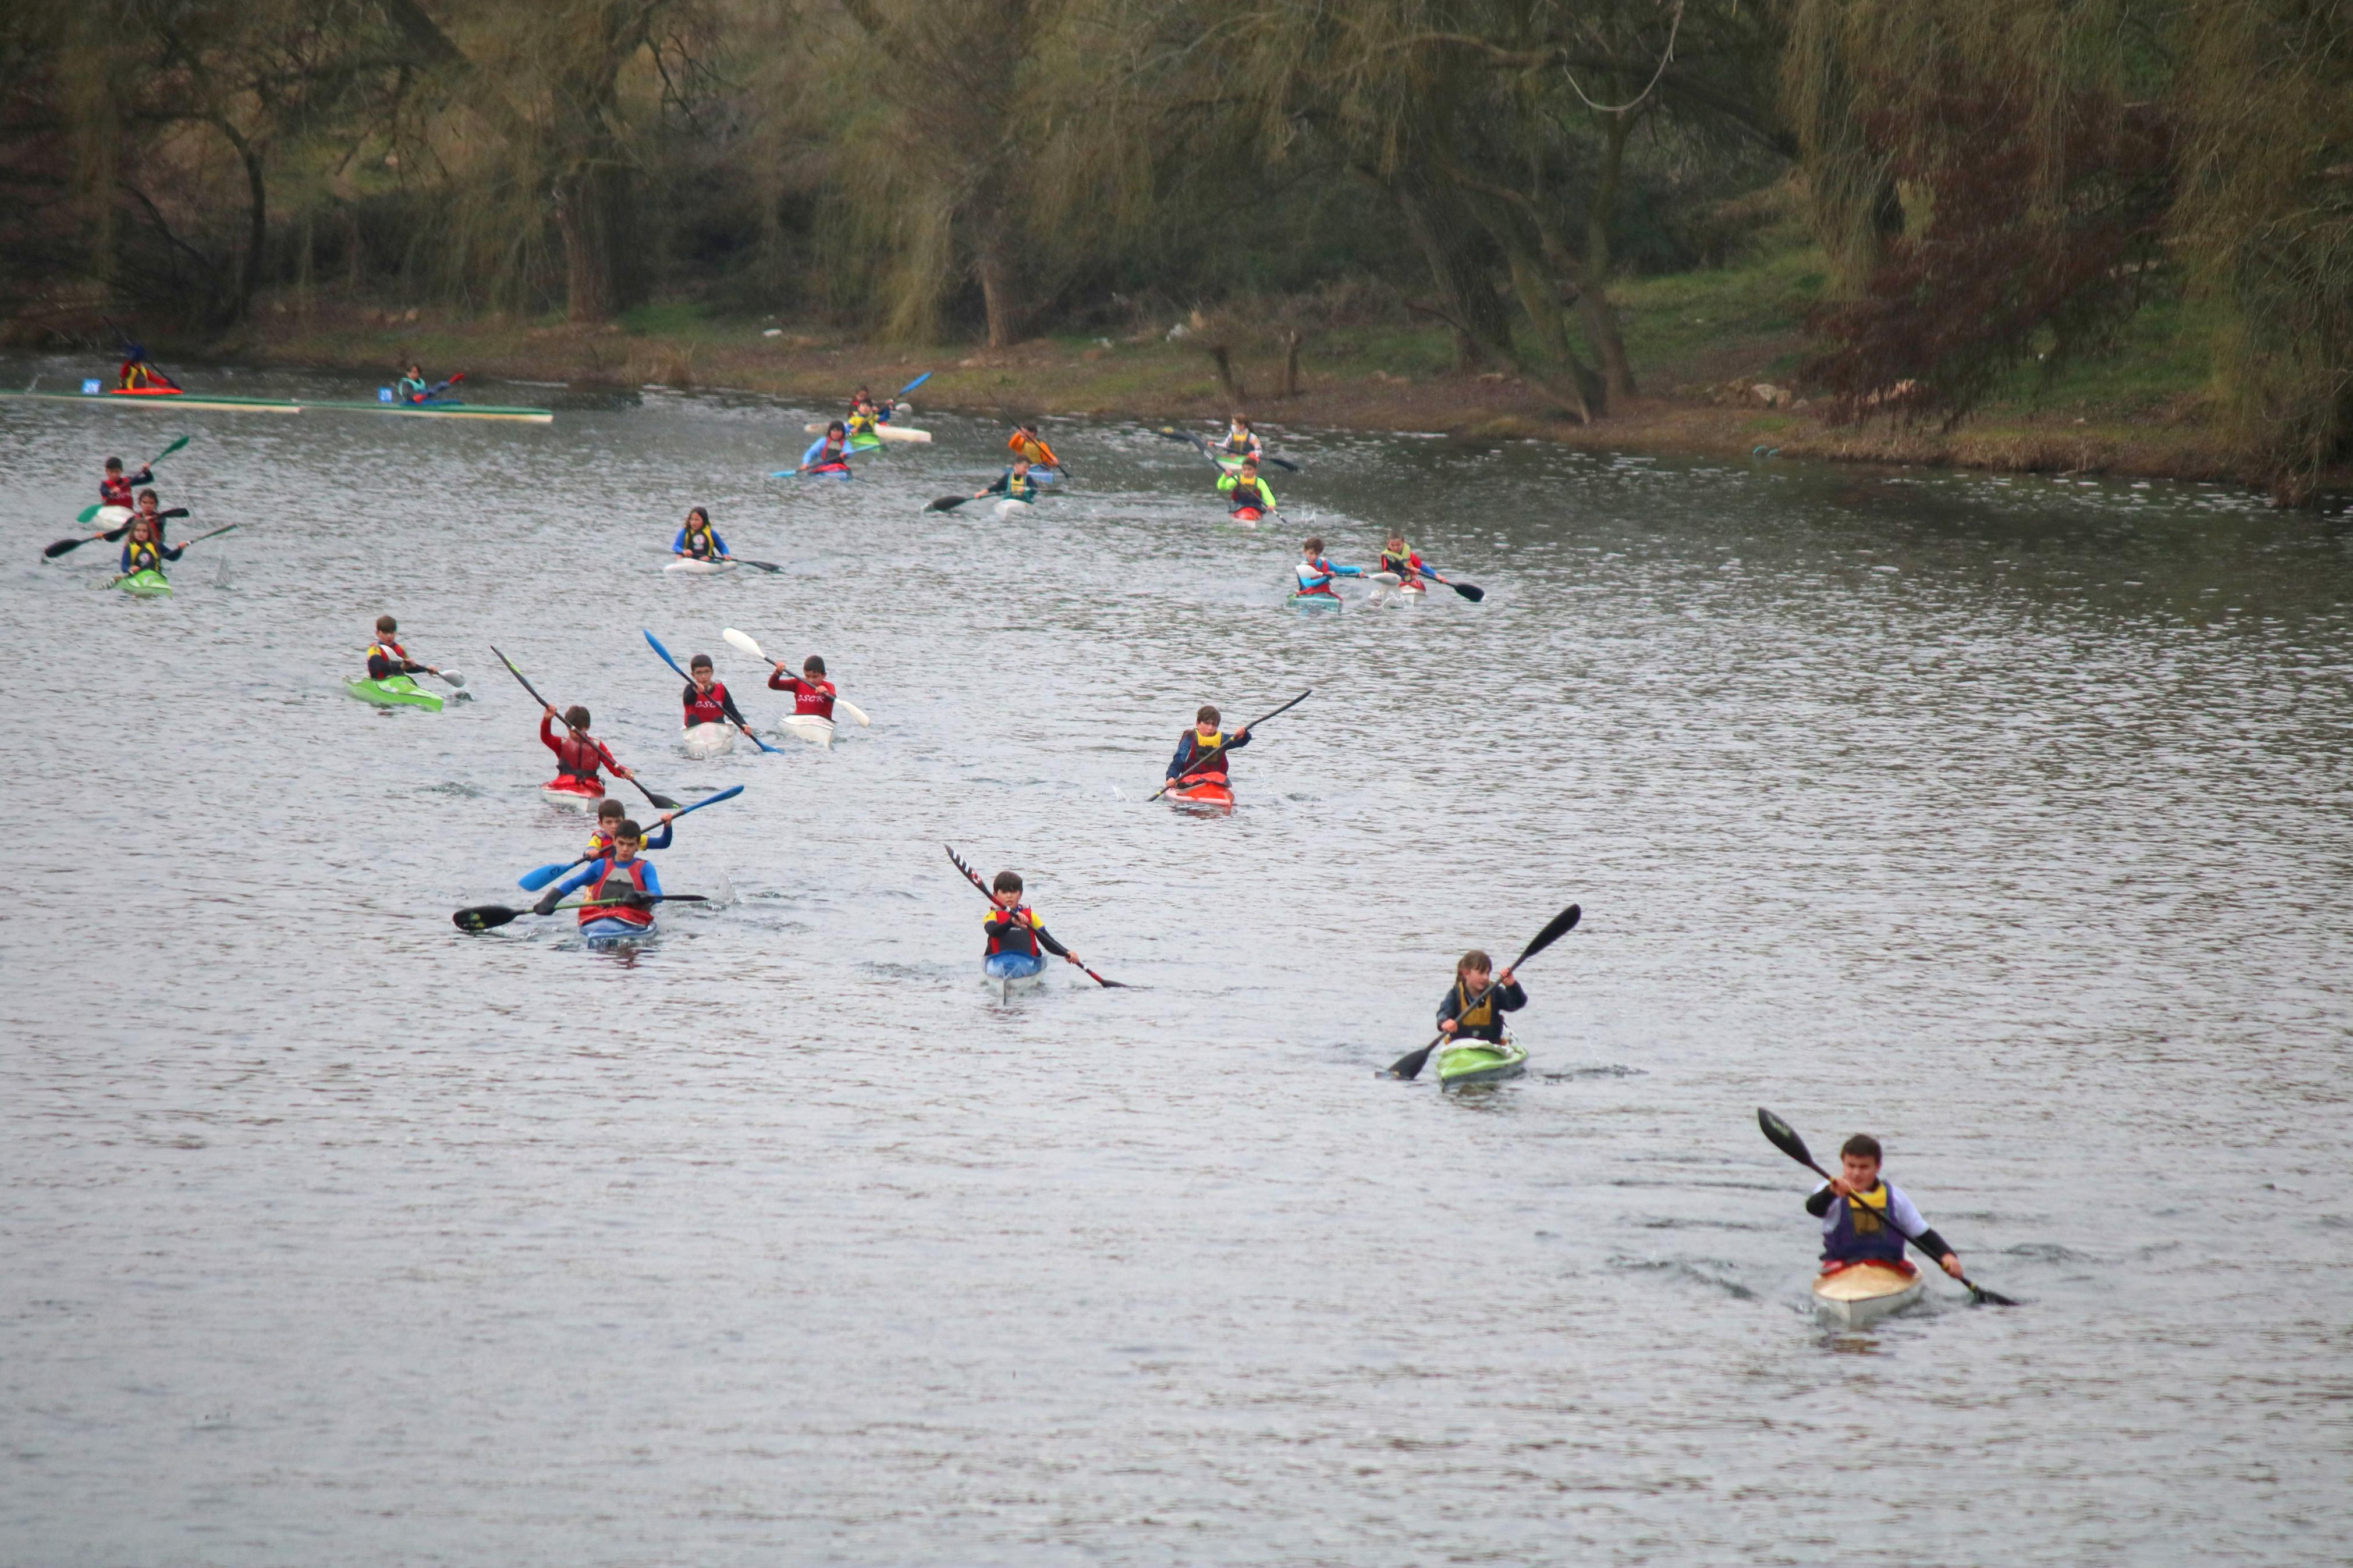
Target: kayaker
pixel 150 513
pixel 813 694
pixel 616 884
pixel 413 387
pixel 579 754
pixel 610 815
pixel 1865 1218
pixel 1013 484
pixel 1193 762
pixel 1245 491
pixel 1474 1004
pixel 707 701
pixel 1316 573
pixel 1239 441
pixel 138 376
pixel 387 657
pixel 1401 560
pixel 1026 443
pixel 116 489
pixel 1014 927
pixel 696 541
pixel 830 453
pixel 880 407
pixel 143 552
pixel 863 416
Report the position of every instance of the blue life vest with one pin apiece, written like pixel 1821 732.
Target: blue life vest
pixel 1863 1231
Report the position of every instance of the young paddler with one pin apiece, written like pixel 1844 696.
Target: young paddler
pixel 706 699
pixel 1014 930
pixel 138 376
pixel 619 886
pixel 143 550
pixel 117 488
pixel 697 542
pixel 830 453
pixel 813 694
pixel 1030 447
pixel 610 815
pixel 1316 573
pixel 1402 562
pixel 1473 1009
pixel 1239 441
pixel 1248 497
pixel 1866 1217
pixel 1194 761
pixel 387 657
pixel 1013 484
pixel 413 387
pixel 578 753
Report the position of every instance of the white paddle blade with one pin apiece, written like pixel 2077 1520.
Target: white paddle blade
pixel 853 709
pixel 737 640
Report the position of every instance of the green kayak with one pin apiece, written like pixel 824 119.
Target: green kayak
pixel 393 692
pixel 147 583
pixel 1459 1066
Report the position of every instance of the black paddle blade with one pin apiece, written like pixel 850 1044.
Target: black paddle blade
pixel 1559 926
pixel 1408 1067
pixel 1985 1298
pixel 659 801
pixel 62 545
pixel 485 917
pixel 947 503
pixel 1471 591
pixel 1783 1136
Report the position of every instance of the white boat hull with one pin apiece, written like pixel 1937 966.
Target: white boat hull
pixel 708 740
pixel 808 727
pixel 1861 1294
pixel 686 568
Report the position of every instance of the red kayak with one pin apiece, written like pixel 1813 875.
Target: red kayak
pixel 1247 516
pixel 573 793
pixel 1209 794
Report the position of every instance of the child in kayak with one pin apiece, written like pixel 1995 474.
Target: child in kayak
pixel 620 887
pixel 1401 561
pixel 1193 762
pixel 813 694
pixel 387 657
pixel 1013 484
pixel 696 541
pixel 143 552
pixel 1316 573
pixel 1026 443
pixel 707 701
pixel 1248 497
pixel 138 376
pixel 579 754
pixel 1473 1008
pixel 610 815
pixel 1865 1218
pixel 116 489
pixel 412 388
pixel 1239 441
pixel 1014 931
pixel 830 453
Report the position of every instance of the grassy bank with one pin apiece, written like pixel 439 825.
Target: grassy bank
pixel 1703 344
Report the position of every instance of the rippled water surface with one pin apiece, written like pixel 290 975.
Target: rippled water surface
pixel 2008 819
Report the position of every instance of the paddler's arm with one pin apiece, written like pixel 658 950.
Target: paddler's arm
pixel 659 839
pixel 572 884
pixel 735 715
pixel 1184 757
pixel 678 546
pixel 999 488
pixel 1046 941
pixel 1819 1201
pixel 1509 998
pixel 1449 1010
pixel 1908 1219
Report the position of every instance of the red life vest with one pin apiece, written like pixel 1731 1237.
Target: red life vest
pixel 577 757
pixel 1200 764
pixel 115 491
pixel 706 707
pixel 1011 930
pixel 595 909
pixel 813 699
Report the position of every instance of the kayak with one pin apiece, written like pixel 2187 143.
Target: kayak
pixel 1855 1295
pixel 686 567
pixel 1202 795
pixel 1010 509
pixel 709 740
pixel 442 408
pixel 1012 970
pixel 866 441
pixel 393 691
pixel 1316 601
pixel 162 398
pixel 610 931
pixel 902 433
pixel 569 793
pixel 146 583
pixel 810 727
pixel 1244 516
pixel 832 471
pixel 1459 1066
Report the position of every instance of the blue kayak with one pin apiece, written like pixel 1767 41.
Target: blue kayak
pixel 1013 965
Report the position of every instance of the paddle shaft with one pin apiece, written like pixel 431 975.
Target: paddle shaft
pixel 1044 937
pixel 659 802
pixel 1219 749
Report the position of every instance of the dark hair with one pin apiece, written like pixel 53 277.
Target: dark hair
pixel 608 806
pixel 386 624
pixel 576 716
pixel 113 463
pixel 694 511
pixel 1009 881
pixel 629 829
pixel 147 495
pixel 836 424
pixel 813 662
pixel 1863 1146
pixel 1314 544
pixel 700 661
pixel 1475 958
pixel 1208 715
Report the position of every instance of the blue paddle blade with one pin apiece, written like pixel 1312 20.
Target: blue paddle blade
pixel 655 643
pixel 539 877
pixel 914 383
pixel 730 793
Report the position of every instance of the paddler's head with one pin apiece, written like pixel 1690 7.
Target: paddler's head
pixel 1396 544
pixel 386 625
pixel 1250 468
pixel 1241 424
pixel 576 716
pixel 1021 466
pixel 698 521
pixel 113 465
pixel 699 667
pixel 417 371
pixel 836 428
pixel 1311 549
pixel 1859 1159
pixel 142 529
pixel 611 814
pixel 813 668
pixel 627 839
pixel 1473 968
pixel 1207 720
pixel 1007 889
pixel 147 503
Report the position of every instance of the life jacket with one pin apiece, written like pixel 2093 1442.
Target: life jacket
pixel 143 555
pixel 597 909
pixel 701 543
pixel 1241 492
pixel 1863 1232
pixel 1408 565
pixel 1011 930
pixel 814 698
pixel 834 452
pixel 1200 764
pixel 114 491
pixel 600 846
pixel 859 424
pixel 579 758
pixel 1019 487
pixel 1478 1020
pixel 1024 444
pixel 134 375
pixel 394 656
pixel 412 390
pixel 1238 444
pixel 706 707
pixel 1316 577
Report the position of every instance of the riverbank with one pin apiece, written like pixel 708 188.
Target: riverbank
pixel 1714 353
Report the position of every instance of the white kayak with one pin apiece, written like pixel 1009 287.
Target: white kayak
pixel 111 517
pixel 689 567
pixel 1008 509
pixel 882 432
pixel 1862 1293
pixel 572 798
pixel 708 740
pixel 808 727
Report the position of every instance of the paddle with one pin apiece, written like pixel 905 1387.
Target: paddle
pixel 433 391
pixel 172 555
pixel 539 877
pixel 912 384
pixel 1408 1067
pixel 62 546
pixel 944 503
pixel 490 917
pixel 743 641
pixel 762 565
pixel 1044 939
pixel 1784 1137
pixel 661 801
pixel 1471 591
pixel 1202 443
pixel 1218 749
pixel 655 643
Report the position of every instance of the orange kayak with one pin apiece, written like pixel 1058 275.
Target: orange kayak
pixel 1210 793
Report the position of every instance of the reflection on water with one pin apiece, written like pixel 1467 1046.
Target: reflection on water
pixel 2004 818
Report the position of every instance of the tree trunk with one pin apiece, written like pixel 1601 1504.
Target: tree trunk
pixel 593 212
pixel 996 293
pixel 1593 280
pixel 1468 303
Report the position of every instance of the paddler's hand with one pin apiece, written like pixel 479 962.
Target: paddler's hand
pixel 1504 979
pixel 1446 1026
pixel 665 819
pixel 1951 1264
pixel 1242 734
pixel 621 772
pixel 1839 1185
pixel 552 712
pixel 546 905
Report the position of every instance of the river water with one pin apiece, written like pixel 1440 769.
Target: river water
pixel 2007 819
